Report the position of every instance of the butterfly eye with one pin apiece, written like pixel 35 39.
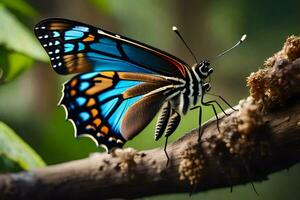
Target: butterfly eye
pixel 204 68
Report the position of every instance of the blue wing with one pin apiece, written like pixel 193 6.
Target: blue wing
pixel 76 47
pixel 98 103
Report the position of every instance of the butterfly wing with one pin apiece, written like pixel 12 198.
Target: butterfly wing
pixel 120 87
pixel 76 47
pixel 112 107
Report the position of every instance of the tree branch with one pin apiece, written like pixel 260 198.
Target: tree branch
pixel 259 139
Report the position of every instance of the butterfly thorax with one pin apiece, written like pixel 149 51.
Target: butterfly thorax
pixel 195 86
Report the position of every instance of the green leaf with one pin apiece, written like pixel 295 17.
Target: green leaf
pixel 15 154
pixel 21 7
pixel 15 36
pixel 7 165
pixel 12 64
pixel 17 64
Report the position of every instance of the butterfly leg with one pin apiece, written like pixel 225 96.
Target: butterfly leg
pixel 200 124
pixel 162 121
pixel 165 150
pixel 171 127
pixel 224 100
pixel 214 101
pixel 209 103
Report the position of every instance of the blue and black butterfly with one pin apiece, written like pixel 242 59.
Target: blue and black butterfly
pixel 121 84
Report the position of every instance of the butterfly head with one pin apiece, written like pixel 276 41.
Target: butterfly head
pixel 203 70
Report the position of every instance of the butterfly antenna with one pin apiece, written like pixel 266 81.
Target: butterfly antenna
pixel 175 29
pixel 243 38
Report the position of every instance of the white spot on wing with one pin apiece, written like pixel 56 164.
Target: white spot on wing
pixel 120 141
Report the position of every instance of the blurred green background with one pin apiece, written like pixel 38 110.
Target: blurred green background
pixel 28 101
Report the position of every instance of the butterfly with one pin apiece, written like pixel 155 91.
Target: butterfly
pixel 120 84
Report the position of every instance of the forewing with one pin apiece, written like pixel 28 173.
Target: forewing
pixel 76 47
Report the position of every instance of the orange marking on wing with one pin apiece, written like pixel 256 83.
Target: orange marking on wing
pixel 70 65
pixel 104 129
pixel 80 55
pixel 89 38
pixel 94 112
pixel 108 74
pixel 58 26
pixel 72 92
pixel 91 102
pixel 77 63
pixel 82 64
pixel 97 122
pixel 90 127
pixel 68 58
pixel 74 58
pixel 102 84
pixel 73 82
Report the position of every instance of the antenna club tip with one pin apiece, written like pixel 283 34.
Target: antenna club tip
pixel 243 37
pixel 174 28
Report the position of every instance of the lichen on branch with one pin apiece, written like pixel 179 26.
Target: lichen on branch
pixel 279 80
